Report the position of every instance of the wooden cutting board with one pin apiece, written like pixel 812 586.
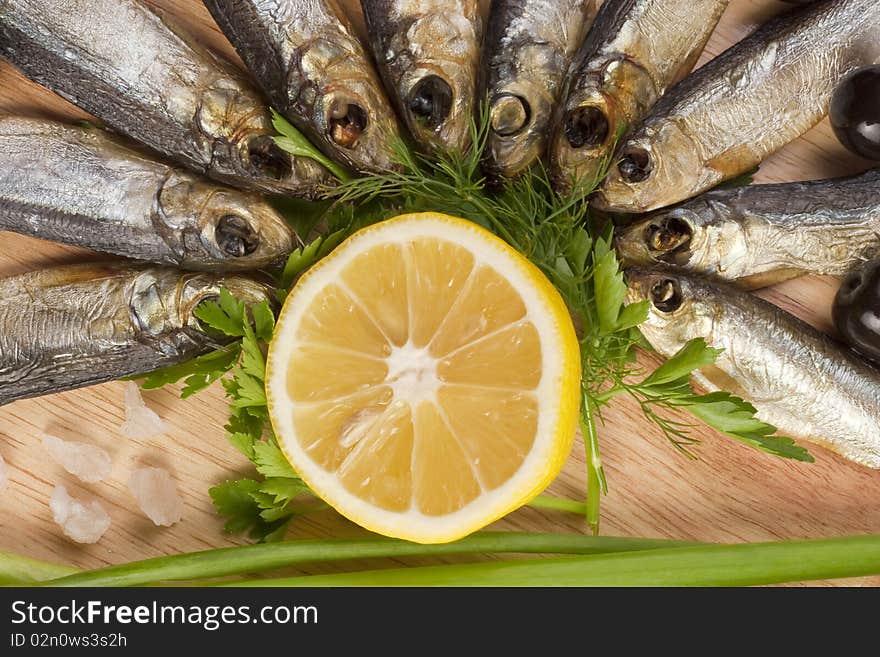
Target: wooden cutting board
pixel 731 493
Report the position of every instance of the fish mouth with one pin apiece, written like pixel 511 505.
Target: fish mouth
pixel 661 289
pixel 509 115
pixel 854 283
pixel 268 158
pixel 666 295
pixel 199 289
pixel 668 238
pixel 346 122
pixel 235 236
pixel 636 164
pixel 640 181
pixel 587 126
pixel 430 101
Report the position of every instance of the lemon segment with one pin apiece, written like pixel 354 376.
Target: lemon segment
pixel 424 378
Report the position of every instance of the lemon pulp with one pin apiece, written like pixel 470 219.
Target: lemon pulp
pixel 424 378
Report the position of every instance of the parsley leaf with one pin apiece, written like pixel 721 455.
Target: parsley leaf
pixel 264 321
pixel 250 391
pixel 736 418
pixel 271 462
pixel 284 490
pixel 226 315
pixel 198 373
pixel 253 364
pixel 238 501
pixel 294 142
pixel 692 356
pixel 306 256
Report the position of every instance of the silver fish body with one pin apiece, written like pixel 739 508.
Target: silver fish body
pixel 759 235
pixel 83 187
pixel 634 52
pixel 428 53
pixel 527 53
pixel 138 73
pixel 80 325
pixel 799 380
pixel 309 62
pixel 731 114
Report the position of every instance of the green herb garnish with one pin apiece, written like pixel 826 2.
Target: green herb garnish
pixel 608 561
pixel 294 142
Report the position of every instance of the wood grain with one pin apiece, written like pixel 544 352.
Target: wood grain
pixel 732 493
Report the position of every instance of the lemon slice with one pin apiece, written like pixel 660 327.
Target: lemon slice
pixel 424 378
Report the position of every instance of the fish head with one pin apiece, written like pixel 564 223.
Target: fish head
pixel 518 120
pixel 432 61
pixel 598 113
pixel 242 231
pixel 163 300
pixel 435 108
pixel 677 308
pixel 699 236
pixel 217 228
pixel 248 151
pixel 663 237
pixel 657 167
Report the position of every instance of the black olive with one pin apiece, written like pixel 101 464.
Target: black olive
pixel 855 112
pixel 856 310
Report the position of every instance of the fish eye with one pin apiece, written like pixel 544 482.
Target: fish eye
pixel 636 165
pixel 586 126
pixel 669 236
pixel 510 115
pixel 235 236
pixel 430 101
pixel 267 157
pixel 347 123
pixel 666 295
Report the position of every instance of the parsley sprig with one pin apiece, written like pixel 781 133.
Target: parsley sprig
pixel 262 508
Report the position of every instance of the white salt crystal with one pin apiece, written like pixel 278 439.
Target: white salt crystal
pixel 141 422
pixel 83 522
pixel 4 474
pixel 86 462
pixel 156 494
